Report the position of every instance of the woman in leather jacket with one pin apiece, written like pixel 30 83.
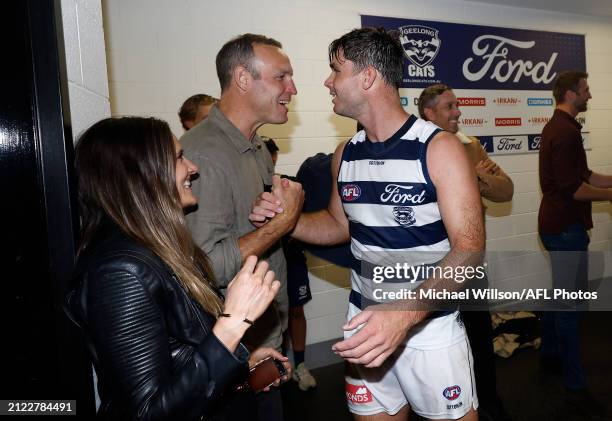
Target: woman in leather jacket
pixel 164 343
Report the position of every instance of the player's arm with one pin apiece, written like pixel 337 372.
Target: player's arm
pixel 328 226
pixel 460 207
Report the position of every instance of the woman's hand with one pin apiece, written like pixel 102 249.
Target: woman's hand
pixel 260 354
pixel 248 295
pixel 251 291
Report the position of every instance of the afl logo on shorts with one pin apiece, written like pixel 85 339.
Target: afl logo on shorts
pixel 452 392
pixel 358 393
pixel 351 192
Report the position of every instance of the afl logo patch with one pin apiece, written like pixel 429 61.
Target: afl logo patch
pixel 351 192
pixel 451 393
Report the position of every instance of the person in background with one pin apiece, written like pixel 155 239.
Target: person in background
pixel 568 189
pixel 298 289
pixel 164 343
pixel 195 109
pixel 438 104
pixel 272 148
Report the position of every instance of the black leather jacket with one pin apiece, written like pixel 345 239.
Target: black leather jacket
pixel 151 344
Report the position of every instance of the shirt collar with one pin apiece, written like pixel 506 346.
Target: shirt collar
pixel 235 136
pixel 564 115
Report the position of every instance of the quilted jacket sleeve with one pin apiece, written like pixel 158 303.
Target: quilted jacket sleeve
pixel 127 328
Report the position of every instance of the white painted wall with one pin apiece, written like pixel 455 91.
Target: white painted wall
pixel 85 63
pixel 162 51
pixel 86 72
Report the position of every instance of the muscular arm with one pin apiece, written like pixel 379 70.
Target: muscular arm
pixel 328 226
pixel 459 203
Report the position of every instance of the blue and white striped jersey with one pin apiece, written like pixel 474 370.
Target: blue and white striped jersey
pixel 389 199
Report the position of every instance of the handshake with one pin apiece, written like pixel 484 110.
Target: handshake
pixel 282 206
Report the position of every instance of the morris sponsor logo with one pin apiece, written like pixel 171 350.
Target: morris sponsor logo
pixel 452 392
pixel 351 192
pixel 358 394
pixel 508 121
pixel 506 101
pixel 421 45
pixel 472 121
pixel 539 120
pixel 491 60
pixel 472 102
pixel 539 102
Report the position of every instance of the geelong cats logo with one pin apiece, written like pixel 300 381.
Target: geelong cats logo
pixel 404 215
pixel 421 43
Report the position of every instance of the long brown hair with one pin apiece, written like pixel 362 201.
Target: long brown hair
pixel 126 172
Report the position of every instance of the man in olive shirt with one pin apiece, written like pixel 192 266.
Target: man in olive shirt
pixel 256 86
pixel 568 188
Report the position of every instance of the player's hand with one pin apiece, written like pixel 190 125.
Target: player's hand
pixel 382 330
pixel 265 207
pixel 291 195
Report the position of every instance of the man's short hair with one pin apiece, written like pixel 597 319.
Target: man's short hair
pixel 429 97
pixel 567 81
pixel 239 52
pixel 374 47
pixel 189 109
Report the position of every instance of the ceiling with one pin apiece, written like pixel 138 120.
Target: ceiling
pixel 582 7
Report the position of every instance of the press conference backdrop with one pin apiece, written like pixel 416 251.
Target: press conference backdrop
pixel 502 77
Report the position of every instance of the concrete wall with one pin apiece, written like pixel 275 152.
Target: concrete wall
pixel 160 52
pixel 85 62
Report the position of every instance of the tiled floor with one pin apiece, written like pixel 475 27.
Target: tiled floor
pixel 527 394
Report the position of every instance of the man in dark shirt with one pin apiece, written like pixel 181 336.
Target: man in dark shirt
pixel 568 188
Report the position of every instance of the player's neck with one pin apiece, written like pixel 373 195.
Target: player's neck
pixel 383 123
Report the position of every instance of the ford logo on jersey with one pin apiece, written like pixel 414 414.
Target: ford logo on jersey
pixel 452 392
pixel 351 192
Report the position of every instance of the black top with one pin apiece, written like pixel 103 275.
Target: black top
pixel 151 344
